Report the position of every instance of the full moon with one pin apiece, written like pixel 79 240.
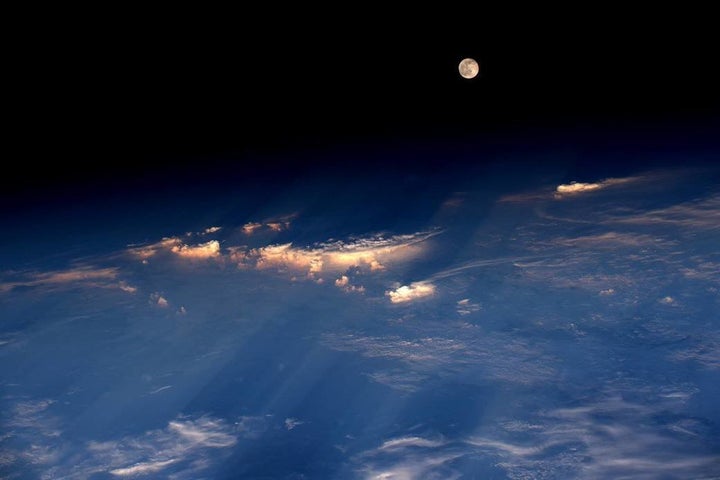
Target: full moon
pixel 468 68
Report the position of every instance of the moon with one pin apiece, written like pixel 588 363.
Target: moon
pixel 468 68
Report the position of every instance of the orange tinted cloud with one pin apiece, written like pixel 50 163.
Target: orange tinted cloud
pixel 93 276
pixel 371 253
pixel 209 249
pixel 574 188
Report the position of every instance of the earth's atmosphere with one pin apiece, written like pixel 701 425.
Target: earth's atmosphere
pixel 510 321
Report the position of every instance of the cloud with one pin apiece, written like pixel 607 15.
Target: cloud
pixel 181 450
pixel 29 413
pixel 274 225
pixel 426 356
pixel 127 288
pixel 291 423
pixel 344 284
pixel 85 274
pixel 668 300
pixel 147 251
pixel 143 468
pixel 701 214
pixel 705 351
pixel 408 458
pixel 613 240
pixel 159 300
pixel 609 438
pixel 334 257
pixel 575 188
pixel 466 307
pixel 251 227
pixel 209 249
pixel 409 293
pixel 405 442
pixel 204 432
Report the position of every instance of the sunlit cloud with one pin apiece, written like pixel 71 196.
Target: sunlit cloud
pixel 86 275
pixel 209 249
pixel 273 225
pixel 127 288
pixel 158 300
pixel 668 300
pixel 175 245
pixel 178 246
pixel 344 284
pixel 146 251
pixel 409 293
pixel 574 188
pixel 251 227
pixel 370 254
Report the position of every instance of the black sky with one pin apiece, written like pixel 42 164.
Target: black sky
pixel 124 95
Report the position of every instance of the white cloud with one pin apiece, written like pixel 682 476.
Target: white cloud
pixel 609 438
pixel 181 450
pixel 210 230
pixel 291 423
pixel 408 293
pixel 404 442
pixel 204 432
pixel 426 357
pixel 466 307
pixel 409 458
pixel 127 288
pixel 143 468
